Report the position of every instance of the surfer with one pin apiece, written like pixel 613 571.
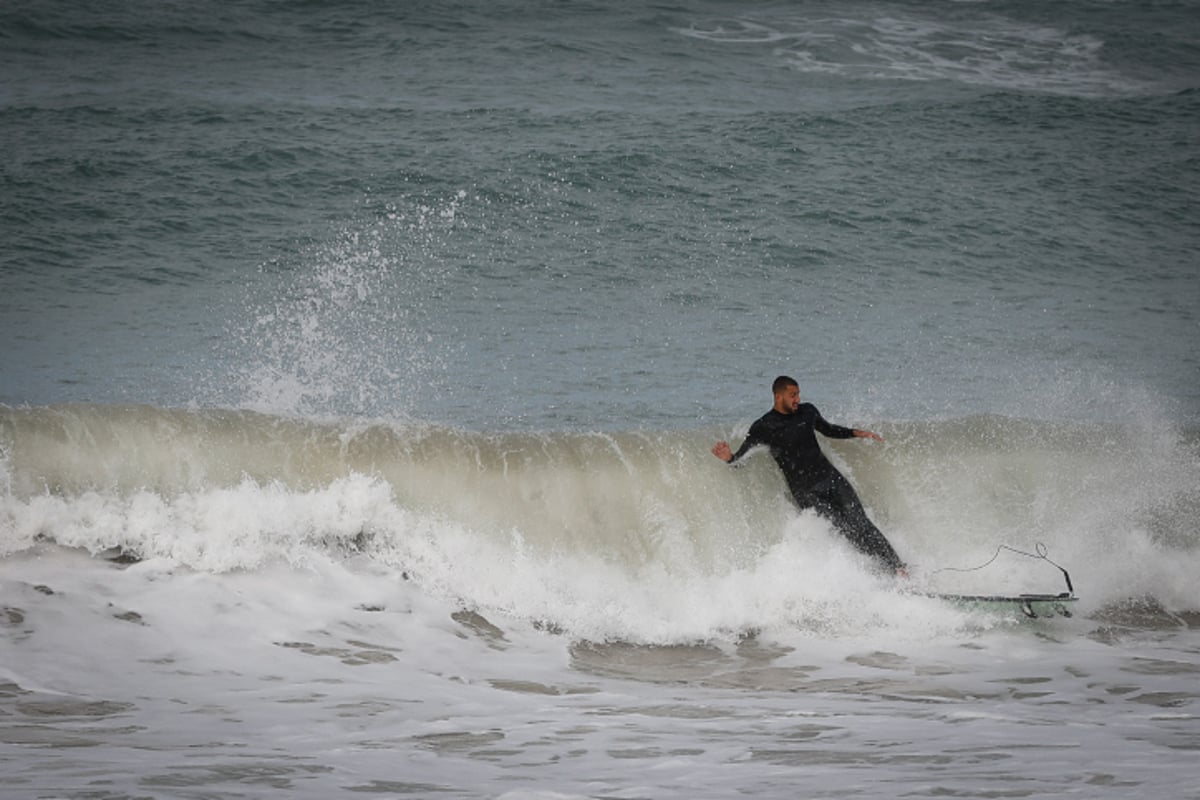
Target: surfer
pixel 788 430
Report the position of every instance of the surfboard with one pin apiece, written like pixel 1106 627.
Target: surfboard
pixel 1034 606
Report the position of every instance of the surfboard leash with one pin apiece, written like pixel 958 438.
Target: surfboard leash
pixel 1040 553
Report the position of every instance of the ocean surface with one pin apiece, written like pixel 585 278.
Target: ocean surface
pixel 360 362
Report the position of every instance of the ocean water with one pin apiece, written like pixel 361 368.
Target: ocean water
pixel 359 365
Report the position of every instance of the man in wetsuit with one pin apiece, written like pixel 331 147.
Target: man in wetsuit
pixel 789 430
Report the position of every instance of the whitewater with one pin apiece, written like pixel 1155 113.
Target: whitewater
pixel 203 602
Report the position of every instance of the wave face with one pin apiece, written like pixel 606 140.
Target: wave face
pixel 638 536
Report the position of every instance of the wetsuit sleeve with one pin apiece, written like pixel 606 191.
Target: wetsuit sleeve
pixel 753 439
pixel 829 429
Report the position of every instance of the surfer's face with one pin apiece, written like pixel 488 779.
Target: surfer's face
pixel 787 401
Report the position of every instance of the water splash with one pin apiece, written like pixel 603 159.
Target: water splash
pixel 347 331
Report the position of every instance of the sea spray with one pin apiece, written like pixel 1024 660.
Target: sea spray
pixel 345 327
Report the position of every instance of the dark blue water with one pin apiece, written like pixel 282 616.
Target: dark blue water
pixel 565 215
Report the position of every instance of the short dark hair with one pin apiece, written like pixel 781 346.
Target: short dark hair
pixel 782 383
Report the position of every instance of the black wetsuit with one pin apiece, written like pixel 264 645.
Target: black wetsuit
pixel 816 483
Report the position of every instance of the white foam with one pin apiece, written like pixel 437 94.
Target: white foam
pixel 340 672
pixel 982 49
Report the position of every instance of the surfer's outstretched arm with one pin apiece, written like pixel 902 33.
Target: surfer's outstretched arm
pixel 722 450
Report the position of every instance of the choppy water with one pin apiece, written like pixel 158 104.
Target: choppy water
pixel 361 360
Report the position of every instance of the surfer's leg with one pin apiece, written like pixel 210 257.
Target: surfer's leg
pixel 843 508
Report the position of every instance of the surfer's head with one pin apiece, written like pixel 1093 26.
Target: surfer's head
pixel 787 394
